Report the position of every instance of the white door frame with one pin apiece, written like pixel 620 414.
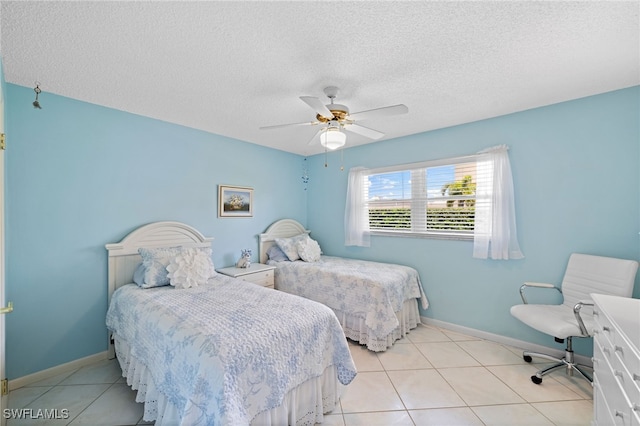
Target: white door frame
pixel 3 398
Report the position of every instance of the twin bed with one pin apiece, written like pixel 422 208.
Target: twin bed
pixel 225 351
pixel 211 349
pixel 376 303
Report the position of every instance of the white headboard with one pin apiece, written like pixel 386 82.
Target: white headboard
pixel 124 257
pixel 281 229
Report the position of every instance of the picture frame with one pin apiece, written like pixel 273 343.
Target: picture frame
pixel 235 201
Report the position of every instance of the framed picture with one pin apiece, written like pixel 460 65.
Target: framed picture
pixel 235 201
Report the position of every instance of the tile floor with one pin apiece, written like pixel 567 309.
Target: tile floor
pixel 432 377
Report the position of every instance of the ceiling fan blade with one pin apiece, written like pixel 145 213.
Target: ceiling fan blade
pixel 317 106
pixel 364 131
pixel 278 126
pixel 316 138
pixel 379 112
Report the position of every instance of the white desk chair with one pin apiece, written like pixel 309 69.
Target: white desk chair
pixel 585 274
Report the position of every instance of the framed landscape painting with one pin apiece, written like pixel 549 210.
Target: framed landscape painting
pixel 235 201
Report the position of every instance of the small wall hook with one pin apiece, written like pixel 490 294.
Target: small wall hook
pixel 36 103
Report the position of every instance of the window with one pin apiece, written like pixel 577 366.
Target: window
pixel 433 198
pixel 466 197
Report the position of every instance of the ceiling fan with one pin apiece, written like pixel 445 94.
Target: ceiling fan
pixel 334 118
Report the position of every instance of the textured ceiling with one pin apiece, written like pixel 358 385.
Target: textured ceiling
pixel 232 67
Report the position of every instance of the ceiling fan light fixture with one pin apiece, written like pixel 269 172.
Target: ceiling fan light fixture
pixel 333 138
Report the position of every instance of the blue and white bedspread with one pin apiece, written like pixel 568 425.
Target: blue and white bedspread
pixel 228 350
pixel 371 291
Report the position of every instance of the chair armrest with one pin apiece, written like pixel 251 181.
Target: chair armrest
pixel 535 284
pixel 542 285
pixel 576 312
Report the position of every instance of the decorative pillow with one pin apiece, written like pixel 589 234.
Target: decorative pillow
pixel 155 261
pixel 274 253
pixel 288 245
pixel 309 250
pixel 190 268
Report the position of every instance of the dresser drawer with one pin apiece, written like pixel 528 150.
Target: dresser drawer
pixel 601 410
pixel 605 331
pixel 616 360
pixel 630 383
pixel 635 416
pixel 609 381
pixel 621 356
pixel 628 361
pixel 263 278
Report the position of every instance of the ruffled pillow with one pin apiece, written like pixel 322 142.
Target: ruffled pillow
pixel 190 268
pixel 155 261
pixel 309 250
pixel 289 245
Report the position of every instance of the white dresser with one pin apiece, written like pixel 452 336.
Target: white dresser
pixel 616 361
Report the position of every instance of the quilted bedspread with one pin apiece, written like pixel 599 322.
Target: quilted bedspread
pixel 228 350
pixel 372 291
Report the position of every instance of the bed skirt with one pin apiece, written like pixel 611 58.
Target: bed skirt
pixel 304 405
pixel 356 328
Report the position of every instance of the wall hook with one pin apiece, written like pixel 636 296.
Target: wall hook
pixel 36 103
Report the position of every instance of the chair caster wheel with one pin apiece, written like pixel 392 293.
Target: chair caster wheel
pixel 527 358
pixel 537 380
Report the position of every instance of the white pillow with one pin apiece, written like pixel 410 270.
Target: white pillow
pixel 309 250
pixel 190 268
pixel 288 245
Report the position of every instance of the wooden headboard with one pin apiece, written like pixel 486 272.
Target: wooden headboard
pixel 281 229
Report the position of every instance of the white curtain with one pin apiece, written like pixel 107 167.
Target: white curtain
pixel 495 233
pixel 356 212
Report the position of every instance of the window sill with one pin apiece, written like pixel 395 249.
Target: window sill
pixel 429 235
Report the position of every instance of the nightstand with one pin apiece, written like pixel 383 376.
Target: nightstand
pixel 257 273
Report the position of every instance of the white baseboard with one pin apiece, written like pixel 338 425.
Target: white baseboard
pixel 528 346
pixel 54 371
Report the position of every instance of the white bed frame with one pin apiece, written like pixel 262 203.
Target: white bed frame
pixel 284 228
pixel 124 256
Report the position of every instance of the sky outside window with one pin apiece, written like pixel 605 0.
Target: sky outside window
pixel 397 185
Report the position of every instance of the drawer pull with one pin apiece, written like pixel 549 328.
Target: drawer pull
pixel 605 328
pixel 617 373
pixel 619 414
pixel 636 407
pixel 636 377
pixel 618 349
pixel 606 351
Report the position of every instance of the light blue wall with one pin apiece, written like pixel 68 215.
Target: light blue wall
pixel 576 174
pixel 79 176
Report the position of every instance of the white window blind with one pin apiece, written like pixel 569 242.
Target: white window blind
pixel 436 197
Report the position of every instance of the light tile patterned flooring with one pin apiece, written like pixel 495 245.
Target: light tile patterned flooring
pixel 431 377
